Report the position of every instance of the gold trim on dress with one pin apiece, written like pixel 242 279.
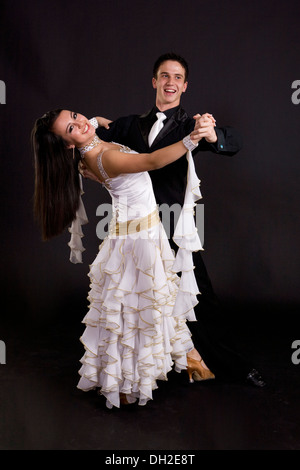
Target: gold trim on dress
pixel 135 225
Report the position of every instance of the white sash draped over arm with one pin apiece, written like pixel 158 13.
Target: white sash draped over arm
pixel 187 239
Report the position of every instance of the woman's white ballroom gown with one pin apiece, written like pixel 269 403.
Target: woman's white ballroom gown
pixel 135 328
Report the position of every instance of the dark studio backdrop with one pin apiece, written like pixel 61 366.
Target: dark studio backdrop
pixel 96 58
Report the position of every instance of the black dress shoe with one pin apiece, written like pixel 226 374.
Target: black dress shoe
pixel 255 379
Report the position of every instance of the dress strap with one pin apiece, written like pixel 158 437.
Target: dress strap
pixel 100 166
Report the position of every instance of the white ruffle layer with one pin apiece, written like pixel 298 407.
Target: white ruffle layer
pixel 75 243
pixel 136 324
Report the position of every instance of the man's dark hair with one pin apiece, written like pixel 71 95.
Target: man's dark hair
pixel 174 57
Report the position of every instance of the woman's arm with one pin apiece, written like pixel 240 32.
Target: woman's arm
pixel 116 163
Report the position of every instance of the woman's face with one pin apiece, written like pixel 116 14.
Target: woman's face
pixel 74 128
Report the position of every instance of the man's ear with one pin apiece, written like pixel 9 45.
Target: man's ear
pixel 154 83
pixel 185 87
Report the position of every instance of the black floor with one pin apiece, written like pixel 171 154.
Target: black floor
pixel 41 408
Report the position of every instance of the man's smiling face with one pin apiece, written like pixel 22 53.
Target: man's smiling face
pixel 169 84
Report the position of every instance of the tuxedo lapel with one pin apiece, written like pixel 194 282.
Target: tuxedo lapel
pixel 145 124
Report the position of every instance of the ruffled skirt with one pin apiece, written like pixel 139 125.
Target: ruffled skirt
pixel 135 329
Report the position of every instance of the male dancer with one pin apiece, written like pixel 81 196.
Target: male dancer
pixel 170 75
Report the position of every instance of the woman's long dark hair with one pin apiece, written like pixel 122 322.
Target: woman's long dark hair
pixel 57 186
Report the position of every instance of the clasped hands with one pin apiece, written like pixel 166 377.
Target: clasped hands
pixel 204 128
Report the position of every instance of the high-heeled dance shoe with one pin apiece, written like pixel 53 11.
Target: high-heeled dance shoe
pixel 196 371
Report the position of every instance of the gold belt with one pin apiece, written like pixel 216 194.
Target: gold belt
pixel 135 225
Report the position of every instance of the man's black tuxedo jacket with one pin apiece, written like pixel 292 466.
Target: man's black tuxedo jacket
pixel 169 182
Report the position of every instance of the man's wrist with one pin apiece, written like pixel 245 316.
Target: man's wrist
pixel 213 139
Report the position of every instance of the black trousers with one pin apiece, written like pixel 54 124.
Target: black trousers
pixel 211 332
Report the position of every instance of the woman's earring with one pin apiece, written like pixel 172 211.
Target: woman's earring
pixel 73 153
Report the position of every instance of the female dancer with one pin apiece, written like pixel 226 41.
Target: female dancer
pixel 136 324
